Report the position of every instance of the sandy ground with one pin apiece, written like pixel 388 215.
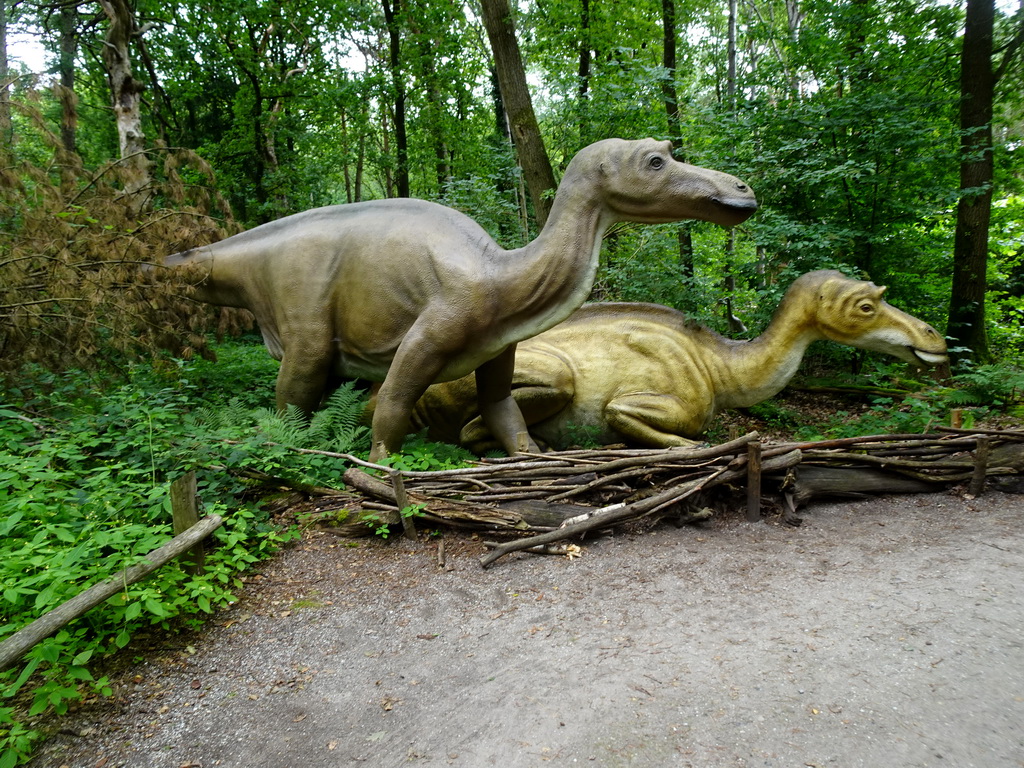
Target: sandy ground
pixel 880 633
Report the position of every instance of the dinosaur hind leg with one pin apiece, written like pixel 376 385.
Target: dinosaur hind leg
pixel 655 420
pixel 304 376
pixel 542 387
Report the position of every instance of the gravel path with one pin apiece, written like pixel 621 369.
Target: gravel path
pixel 880 633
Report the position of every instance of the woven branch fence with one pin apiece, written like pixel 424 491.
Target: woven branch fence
pixel 539 499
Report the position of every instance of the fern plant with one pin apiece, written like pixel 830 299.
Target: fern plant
pixel 997 385
pixel 337 426
pixel 289 427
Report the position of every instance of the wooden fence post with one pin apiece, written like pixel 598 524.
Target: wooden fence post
pixel 185 511
pixel 402 500
pixel 977 484
pixel 753 481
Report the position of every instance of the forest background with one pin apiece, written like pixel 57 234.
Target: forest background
pixel 878 136
pixel 882 137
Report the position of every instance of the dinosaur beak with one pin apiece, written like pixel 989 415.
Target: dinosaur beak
pixel 736 210
pixel 928 358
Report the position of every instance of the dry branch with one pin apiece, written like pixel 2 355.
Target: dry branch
pixel 619 512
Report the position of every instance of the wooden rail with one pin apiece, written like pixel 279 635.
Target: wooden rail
pixel 22 641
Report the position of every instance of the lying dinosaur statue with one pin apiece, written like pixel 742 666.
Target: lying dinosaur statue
pixel 644 374
pixel 410 292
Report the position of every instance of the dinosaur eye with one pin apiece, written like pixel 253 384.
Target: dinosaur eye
pixel 866 308
pixel 656 162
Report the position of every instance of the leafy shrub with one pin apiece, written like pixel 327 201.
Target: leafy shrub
pixel 914 414
pixel 83 494
pixel 995 385
pixel 419 454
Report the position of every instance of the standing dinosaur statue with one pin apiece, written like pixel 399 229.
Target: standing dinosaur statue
pixel 409 292
pixel 645 374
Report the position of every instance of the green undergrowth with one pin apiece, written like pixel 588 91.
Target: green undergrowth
pixel 980 393
pixel 85 466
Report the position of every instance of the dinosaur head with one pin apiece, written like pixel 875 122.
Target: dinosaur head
pixel 853 312
pixel 641 181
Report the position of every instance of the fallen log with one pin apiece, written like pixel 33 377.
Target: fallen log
pixel 817 482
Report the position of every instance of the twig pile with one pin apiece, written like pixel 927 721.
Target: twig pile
pixel 560 495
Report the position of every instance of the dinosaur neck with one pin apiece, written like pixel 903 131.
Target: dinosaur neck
pixel 553 275
pixel 758 369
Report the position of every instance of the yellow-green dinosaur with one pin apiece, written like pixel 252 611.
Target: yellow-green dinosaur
pixel 645 374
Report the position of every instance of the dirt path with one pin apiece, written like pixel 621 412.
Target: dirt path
pixel 881 633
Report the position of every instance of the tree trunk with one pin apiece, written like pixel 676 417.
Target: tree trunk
pixel 5 90
pixel 966 327
pixel 540 180
pixel 794 16
pixel 395 60
pixel 670 97
pixel 729 283
pixel 435 110
pixel 126 93
pixel 584 66
pixel 730 85
pixel 68 49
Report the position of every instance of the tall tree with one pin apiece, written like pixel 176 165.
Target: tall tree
pixel 670 98
pixel 515 95
pixel 67 15
pixel 583 71
pixel 398 84
pixel 5 87
pixel 966 326
pixel 978 78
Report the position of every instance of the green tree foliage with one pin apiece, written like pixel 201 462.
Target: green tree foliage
pixel 842 116
pixel 853 145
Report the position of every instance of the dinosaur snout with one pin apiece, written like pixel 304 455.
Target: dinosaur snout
pixel 735 209
pixel 935 353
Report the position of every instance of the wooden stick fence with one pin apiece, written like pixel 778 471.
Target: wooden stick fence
pixel 562 494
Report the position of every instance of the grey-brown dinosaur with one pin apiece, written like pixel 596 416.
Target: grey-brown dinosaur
pixel 645 374
pixel 410 292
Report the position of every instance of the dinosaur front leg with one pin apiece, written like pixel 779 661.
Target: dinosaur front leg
pixel 419 360
pixel 391 414
pixel 498 410
pixel 659 421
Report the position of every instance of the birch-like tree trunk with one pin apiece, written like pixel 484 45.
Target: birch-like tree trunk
pixel 126 93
